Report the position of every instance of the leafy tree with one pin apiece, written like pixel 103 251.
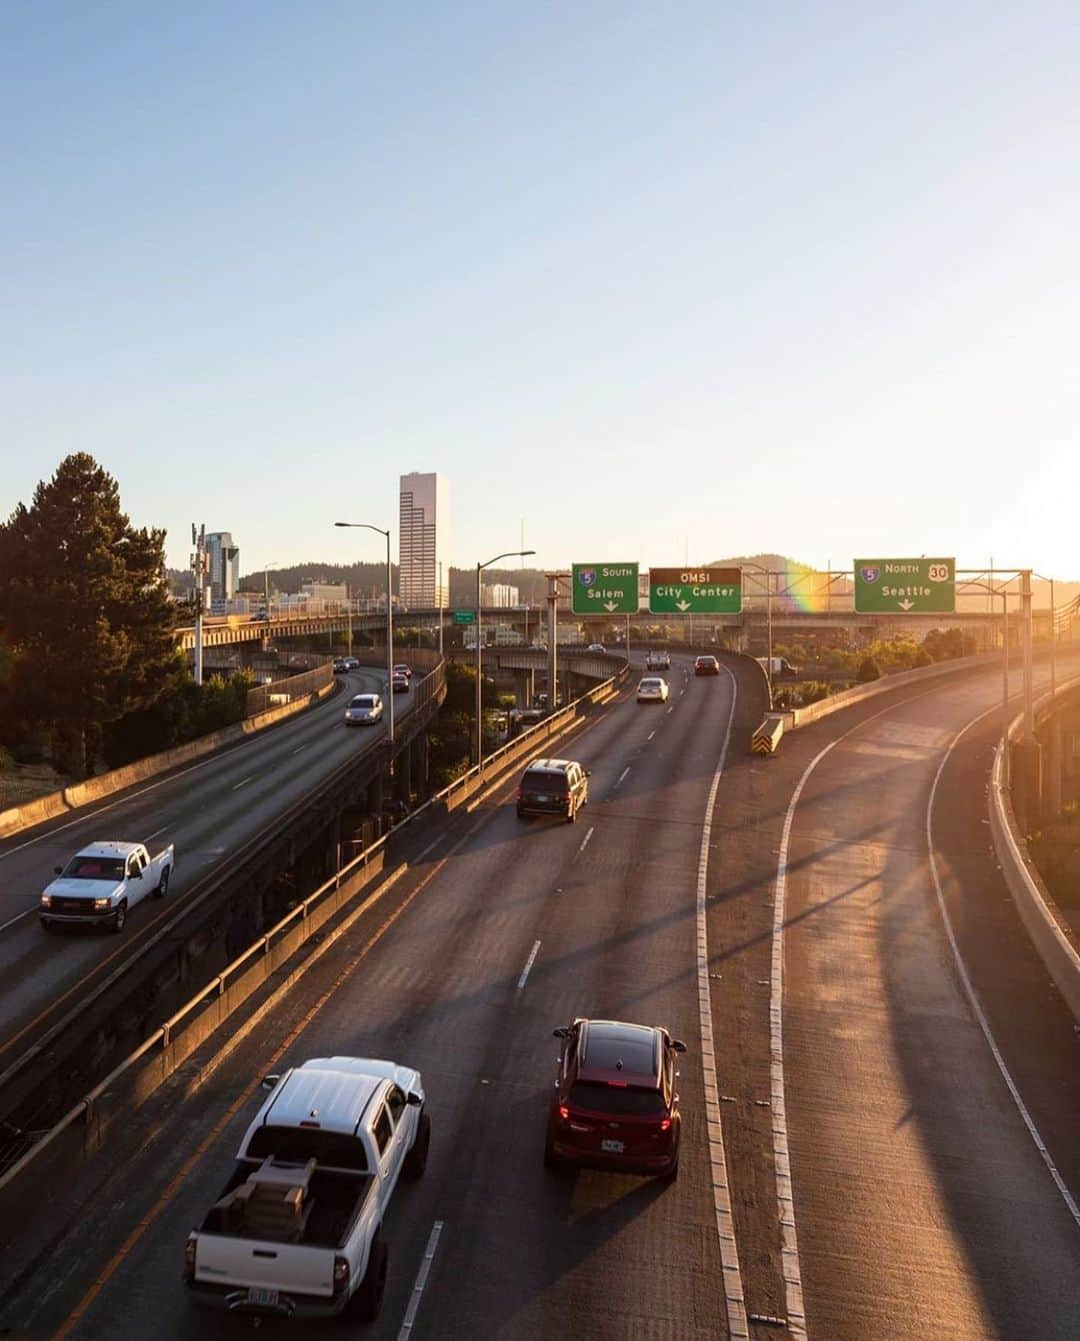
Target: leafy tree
pixel 84 603
pixel 868 670
pixel 948 644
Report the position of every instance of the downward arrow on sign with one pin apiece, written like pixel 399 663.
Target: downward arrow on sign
pixel 906 605
pixel 683 606
pixel 611 606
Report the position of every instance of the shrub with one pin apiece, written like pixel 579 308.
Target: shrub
pixel 868 671
pixel 7 760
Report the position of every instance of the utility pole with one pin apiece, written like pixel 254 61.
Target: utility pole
pixel 553 637
pixel 200 563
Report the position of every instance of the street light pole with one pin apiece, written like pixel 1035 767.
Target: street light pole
pixel 510 554
pixel 366 526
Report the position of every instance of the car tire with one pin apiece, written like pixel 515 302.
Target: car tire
pixel 119 918
pixel 163 885
pixel 415 1161
pixel 48 926
pixel 551 1159
pixel 365 1304
pixel 672 1171
pixel 572 816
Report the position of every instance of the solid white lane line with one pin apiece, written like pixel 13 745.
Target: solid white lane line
pixel 738 1326
pixel 421 1281
pixel 585 841
pixel 244 783
pixel 17 918
pixel 969 990
pixel 528 965
pixel 621 776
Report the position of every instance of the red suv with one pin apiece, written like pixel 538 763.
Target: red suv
pixel 615 1104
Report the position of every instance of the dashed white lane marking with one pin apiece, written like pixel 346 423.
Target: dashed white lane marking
pixel 421 1281
pixel 585 841
pixel 969 990
pixel 299 748
pixel 528 965
pixel 672 708
pixel 651 734
pixel 621 776
pixel 244 783
pixel 156 832
pixel 738 1326
pixel 17 918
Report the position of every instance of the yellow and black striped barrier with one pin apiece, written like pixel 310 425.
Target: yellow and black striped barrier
pixel 767 737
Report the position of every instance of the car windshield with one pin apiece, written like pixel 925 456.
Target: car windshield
pixel 618 1100
pixel 544 782
pixel 95 868
pixel 363 701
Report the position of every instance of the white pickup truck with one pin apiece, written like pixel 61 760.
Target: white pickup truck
pixel 103 881
pixel 296 1230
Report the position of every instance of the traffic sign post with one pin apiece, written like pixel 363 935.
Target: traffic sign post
pixel 905 586
pixel 464 616
pixel 604 588
pixel 695 591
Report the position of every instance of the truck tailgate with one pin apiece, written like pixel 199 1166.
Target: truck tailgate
pixel 288 1267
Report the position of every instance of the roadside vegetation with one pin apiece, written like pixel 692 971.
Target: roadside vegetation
pixel 1055 849
pixel 90 672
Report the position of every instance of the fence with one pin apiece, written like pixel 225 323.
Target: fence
pixel 280 692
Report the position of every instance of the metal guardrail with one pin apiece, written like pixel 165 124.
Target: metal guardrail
pixel 291 931
pixel 279 692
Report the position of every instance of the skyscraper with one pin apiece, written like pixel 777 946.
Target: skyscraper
pixel 224 565
pixel 424 541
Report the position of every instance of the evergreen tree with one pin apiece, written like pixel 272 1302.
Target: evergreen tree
pixel 83 601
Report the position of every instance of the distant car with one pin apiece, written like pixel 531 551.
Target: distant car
pixel 706 666
pixel 595 647
pixel 615 1103
pixel 351 663
pixel 399 683
pixel 259 619
pixel 553 787
pixel 402 668
pixel 652 689
pixel 340 666
pixel 364 710
pixel 658 661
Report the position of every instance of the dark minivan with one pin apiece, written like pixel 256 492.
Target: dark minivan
pixel 553 787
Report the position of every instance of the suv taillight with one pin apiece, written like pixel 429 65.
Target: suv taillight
pixel 341 1274
pixel 189 1259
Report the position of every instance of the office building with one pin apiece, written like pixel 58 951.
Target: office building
pixel 424 542
pixel 224 566
pixel 500 595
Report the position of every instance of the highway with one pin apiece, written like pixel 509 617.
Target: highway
pixel 207 809
pixel 919 1204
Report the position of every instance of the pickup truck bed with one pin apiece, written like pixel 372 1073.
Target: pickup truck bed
pixel 332 1203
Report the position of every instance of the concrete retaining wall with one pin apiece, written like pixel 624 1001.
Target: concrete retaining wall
pixel 848 697
pixel 1050 933
pixel 82 793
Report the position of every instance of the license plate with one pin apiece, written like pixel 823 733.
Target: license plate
pixel 542 799
pixel 263 1298
pixel 612 1147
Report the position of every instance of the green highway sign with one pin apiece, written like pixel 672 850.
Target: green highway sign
pixel 695 591
pixel 605 588
pixel 464 616
pixel 905 586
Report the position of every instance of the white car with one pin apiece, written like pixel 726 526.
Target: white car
pixel 652 689
pixel 595 647
pixel 364 710
pixel 658 661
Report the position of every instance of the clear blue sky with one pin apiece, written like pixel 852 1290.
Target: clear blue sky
pixel 693 278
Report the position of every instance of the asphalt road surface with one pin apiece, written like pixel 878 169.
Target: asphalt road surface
pixel 207 809
pixel 920 1204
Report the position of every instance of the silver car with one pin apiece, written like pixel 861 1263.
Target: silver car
pixel 364 710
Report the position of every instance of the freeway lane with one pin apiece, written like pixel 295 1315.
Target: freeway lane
pixel 207 809
pixel 923 1207
pixel 524 1253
